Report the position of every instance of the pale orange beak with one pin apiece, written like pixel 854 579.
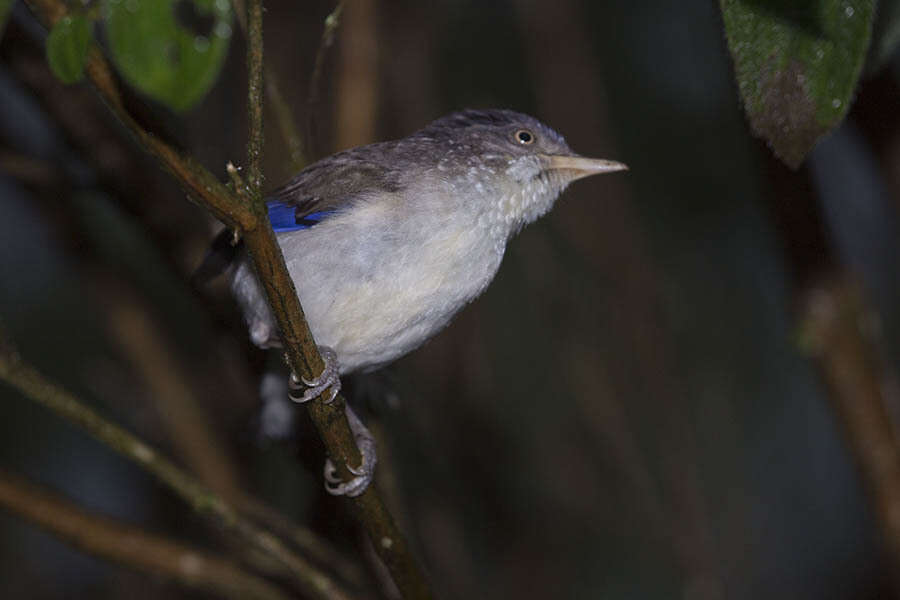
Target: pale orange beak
pixel 580 166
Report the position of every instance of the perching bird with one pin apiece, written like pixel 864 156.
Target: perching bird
pixel 386 242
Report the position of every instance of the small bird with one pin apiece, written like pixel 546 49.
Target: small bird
pixel 385 243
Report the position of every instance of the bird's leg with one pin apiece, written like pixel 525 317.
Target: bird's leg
pixel 302 390
pixel 364 473
pixel 312 388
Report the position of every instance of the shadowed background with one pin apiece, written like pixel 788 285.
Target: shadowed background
pixel 625 413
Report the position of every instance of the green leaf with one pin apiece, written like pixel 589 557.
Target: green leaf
pixel 67 47
pixel 172 63
pixel 797 63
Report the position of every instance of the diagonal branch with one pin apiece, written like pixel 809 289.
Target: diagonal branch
pixel 837 331
pixel 36 387
pixel 300 348
pixel 130 546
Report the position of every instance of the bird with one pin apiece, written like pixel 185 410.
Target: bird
pixel 386 242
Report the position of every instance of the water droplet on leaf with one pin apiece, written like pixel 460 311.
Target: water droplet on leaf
pixel 223 29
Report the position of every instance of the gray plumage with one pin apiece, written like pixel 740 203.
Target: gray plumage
pixel 417 229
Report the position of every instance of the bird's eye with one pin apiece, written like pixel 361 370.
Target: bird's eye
pixel 523 136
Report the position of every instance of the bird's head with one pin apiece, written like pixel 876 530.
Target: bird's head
pixel 518 164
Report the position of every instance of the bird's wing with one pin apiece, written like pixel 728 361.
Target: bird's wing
pixel 330 185
pixel 319 190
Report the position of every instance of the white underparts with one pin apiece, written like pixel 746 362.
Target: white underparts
pixel 380 278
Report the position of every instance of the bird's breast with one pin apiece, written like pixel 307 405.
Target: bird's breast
pixel 380 293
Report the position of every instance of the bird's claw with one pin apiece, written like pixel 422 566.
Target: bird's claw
pixel 328 379
pixel 302 390
pixel 331 476
pixel 364 473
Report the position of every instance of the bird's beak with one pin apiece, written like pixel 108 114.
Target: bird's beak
pixel 579 166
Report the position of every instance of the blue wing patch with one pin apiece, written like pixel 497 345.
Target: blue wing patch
pixel 283 217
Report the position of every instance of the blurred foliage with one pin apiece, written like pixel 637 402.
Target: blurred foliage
pixel 67 47
pixel 5 7
pixel 797 66
pixel 173 62
pixel 171 50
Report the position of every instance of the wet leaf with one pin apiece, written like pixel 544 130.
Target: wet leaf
pixel 797 64
pixel 67 47
pixel 171 50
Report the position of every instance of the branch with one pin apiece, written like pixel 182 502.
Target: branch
pixel 330 419
pixel 36 387
pixel 254 96
pixel 153 357
pixel 300 349
pixel 357 77
pixel 309 543
pixel 283 115
pixel 332 21
pixel 286 124
pixel 838 330
pixel 150 354
pixel 199 183
pixel 130 546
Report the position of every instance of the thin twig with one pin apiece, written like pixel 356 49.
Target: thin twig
pixel 130 546
pixel 254 96
pixel 284 116
pixel 199 183
pixel 309 543
pixel 330 419
pixel 36 387
pixel 839 329
pixel 357 77
pixel 150 353
pixel 332 21
pixel 840 332
pixel 300 347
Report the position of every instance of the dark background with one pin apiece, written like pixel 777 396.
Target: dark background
pixel 625 413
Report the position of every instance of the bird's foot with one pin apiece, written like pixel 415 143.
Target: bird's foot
pixel 364 473
pixel 303 390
